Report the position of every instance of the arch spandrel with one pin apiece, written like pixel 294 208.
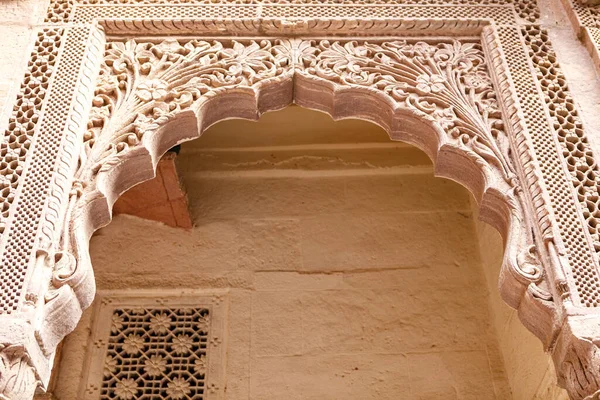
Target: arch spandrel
pixel 463 92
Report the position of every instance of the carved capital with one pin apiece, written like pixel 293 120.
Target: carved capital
pixel 18 380
pixel 577 357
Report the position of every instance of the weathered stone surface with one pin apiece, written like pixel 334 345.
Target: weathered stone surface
pixel 263 197
pixel 451 375
pixel 331 376
pixel 381 240
pixel 277 324
pixel 391 321
pixel 269 244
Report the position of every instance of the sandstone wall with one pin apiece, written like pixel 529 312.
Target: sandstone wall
pixel 530 371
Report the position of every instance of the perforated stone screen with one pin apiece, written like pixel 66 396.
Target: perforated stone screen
pixel 151 347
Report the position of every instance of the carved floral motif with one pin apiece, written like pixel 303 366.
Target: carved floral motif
pixel 143 85
pixel 134 356
pixel 445 82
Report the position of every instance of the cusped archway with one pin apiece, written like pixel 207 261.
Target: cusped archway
pixel 437 96
pixel 335 245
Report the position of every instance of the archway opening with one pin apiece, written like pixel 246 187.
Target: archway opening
pixel 348 270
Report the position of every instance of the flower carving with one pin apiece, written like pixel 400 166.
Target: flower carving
pixel 424 49
pixel 133 344
pixel 200 364
pixel 430 83
pixel 344 62
pixel 204 323
pixel 98 115
pixel 160 323
pixel 117 323
pixel 126 389
pixel 110 365
pixel 106 83
pixel 153 89
pixel 178 388
pixel 155 365
pixel 477 80
pixel 182 344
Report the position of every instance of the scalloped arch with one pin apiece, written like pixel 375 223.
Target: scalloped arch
pixel 134 157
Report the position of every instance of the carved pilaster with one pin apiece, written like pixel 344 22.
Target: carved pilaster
pixel 42 147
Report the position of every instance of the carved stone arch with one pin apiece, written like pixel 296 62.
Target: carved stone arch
pixel 137 116
pixel 530 168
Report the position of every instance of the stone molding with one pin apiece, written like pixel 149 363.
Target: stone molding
pixel 475 85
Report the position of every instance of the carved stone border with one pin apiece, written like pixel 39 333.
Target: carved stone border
pixel 545 211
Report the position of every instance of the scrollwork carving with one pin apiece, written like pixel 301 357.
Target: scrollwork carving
pixel 17 376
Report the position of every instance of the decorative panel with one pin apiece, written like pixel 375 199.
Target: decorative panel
pixel 156 346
